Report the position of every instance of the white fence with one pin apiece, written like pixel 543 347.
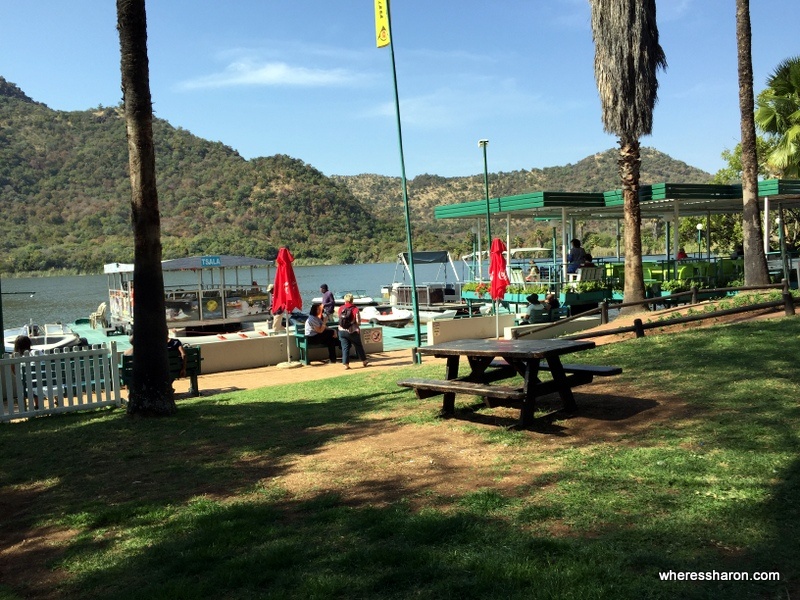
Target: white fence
pixel 59 381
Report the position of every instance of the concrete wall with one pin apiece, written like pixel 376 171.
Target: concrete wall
pixel 537 331
pixel 446 330
pixel 251 350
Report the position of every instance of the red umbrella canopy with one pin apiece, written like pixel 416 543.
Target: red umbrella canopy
pixel 498 277
pixel 286 295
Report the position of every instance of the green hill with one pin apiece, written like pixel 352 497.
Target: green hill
pixel 65 195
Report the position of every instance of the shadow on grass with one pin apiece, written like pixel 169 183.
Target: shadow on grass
pixel 593 407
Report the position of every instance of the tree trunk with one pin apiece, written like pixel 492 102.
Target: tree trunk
pixel 151 392
pixel 755 261
pixel 629 162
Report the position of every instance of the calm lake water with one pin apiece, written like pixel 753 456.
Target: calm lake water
pixel 69 298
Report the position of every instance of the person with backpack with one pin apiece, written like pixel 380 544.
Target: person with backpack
pixel 350 331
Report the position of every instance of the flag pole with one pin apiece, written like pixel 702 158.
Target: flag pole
pixel 387 22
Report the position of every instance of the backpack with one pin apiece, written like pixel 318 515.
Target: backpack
pixel 346 317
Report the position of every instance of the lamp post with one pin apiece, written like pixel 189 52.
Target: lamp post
pixel 483 144
pixel 699 238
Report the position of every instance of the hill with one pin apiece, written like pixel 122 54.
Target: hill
pixel 65 195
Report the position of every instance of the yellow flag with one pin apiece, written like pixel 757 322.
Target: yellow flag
pixel 382 23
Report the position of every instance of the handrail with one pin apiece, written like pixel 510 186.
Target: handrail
pixel 639 327
pixel 603 308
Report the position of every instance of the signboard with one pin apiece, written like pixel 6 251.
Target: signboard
pixel 210 261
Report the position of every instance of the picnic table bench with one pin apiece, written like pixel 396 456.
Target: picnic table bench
pixel 519 357
pixel 193 361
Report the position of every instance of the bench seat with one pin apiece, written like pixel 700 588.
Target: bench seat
pixel 193 360
pixel 598 370
pixel 425 388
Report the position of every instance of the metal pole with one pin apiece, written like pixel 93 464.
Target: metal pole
pixel 414 301
pixel 483 144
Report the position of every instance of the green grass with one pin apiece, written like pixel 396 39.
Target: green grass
pixel 194 506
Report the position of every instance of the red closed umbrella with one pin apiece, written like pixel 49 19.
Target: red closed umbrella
pixel 498 277
pixel 286 292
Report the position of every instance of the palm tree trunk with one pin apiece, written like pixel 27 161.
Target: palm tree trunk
pixel 755 261
pixel 151 392
pixel 629 162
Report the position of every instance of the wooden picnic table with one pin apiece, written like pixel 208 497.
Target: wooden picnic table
pixel 519 357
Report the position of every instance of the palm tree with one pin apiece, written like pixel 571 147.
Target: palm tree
pixel 627 56
pixel 151 392
pixel 755 262
pixel 778 114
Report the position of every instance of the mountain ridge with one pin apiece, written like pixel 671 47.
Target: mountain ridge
pixel 65 195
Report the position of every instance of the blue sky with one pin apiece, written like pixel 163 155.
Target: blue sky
pixel 305 78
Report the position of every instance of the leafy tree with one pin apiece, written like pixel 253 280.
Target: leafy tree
pixel 778 115
pixel 755 262
pixel 627 57
pixel 151 393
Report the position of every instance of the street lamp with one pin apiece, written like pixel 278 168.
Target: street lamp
pixel 483 144
pixel 699 237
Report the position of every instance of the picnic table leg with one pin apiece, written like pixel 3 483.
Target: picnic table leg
pixel 529 402
pixel 451 372
pixel 560 377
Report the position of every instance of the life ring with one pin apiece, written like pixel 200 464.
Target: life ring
pixel 212 305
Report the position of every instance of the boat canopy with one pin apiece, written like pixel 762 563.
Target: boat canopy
pixel 194 263
pixel 433 257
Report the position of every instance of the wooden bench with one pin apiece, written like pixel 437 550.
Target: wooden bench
pixel 193 361
pixel 302 342
pixel 425 388
pixel 579 374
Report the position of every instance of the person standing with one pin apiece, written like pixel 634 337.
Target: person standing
pixel 350 331
pixel 317 332
pixel 328 303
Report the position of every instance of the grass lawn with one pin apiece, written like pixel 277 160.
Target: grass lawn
pixel 352 488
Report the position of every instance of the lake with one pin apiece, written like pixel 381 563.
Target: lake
pixel 67 298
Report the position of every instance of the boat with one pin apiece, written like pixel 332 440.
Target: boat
pixel 50 336
pixel 434 296
pixel 360 298
pixel 221 299
pixel 393 317
pixel 426 316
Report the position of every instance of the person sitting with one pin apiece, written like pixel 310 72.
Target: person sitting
pixel 533 273
pixel 174 343
pixel 738 252
pixel 587 260
pixel 575 257
pixel 551 301
pixel 682 254
pixel 534 310
pixel 23 344
pixel 318 333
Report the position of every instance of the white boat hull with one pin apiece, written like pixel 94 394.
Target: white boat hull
pixel 396 318
pixel 49 337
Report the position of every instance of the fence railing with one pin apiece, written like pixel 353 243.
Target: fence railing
pixel 59 381
pixel 692 295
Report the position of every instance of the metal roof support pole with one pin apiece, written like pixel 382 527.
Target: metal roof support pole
pixel 508 245
pixel 766 225
pixel 782 240
pixel 618 238
pixel 708 236
pixel 677 233
pixel 564 243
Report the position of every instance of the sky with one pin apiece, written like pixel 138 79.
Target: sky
pixel 306 79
